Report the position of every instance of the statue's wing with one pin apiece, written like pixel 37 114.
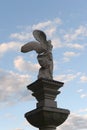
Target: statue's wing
pixel 39 35
pixel 30 46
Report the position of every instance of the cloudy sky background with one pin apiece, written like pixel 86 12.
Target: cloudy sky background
pixel 65 23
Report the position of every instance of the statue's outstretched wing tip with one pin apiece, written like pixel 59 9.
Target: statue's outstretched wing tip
pixel 39 35
pixel 31 46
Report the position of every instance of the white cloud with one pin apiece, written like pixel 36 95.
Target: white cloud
pixel 75 46
pixel 12 86
pixel 57 43
pixel 81 31
pixel 21 36
pixel 69 54
pixel 74 122
pixel 83 95
pixel 67 77
pixel 42 25
pixel 83 78
pixel 80 90
pixel 83 110
pixel 25 66
pixel 50 31
pixel 49 26
pixel 10 46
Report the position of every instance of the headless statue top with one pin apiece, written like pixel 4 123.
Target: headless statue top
pixel 43 48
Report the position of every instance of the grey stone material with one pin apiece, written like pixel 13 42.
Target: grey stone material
pixel 47 103
pixel 46 116
pixel 48 128
pixel 45 91
pixel 44 50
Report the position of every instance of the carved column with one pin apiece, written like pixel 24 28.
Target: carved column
pixel 46 116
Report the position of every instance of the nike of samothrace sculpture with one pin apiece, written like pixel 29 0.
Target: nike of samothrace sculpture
pixel 43 48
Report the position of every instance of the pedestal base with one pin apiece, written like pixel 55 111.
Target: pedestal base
pixel 45 91
pixel 46 116
pixel 48 128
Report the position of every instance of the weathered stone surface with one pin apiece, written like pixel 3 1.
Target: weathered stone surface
pixel 46 116
pixel 44 49
pixel 45 91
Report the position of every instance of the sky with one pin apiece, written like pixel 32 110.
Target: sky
pixel 65 24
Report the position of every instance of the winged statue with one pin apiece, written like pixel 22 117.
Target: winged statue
pixel 43 48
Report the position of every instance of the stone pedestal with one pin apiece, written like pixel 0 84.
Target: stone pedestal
pixel 46 116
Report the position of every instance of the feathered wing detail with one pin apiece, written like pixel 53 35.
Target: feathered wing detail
pixel 30 46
